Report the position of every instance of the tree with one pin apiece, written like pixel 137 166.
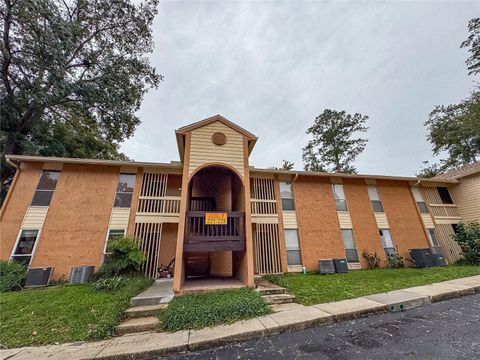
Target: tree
pixel 429 170
pixel 473 45
pixel 73 73
pixel 286 165
pixel 334 146
pixel 468 237
pixel 455 129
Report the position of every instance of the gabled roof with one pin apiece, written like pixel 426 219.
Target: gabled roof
pixel 461 172
pixel 252 139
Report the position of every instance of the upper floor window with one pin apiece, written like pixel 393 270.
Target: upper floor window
pixel 444 195
pixel 375 199
pixel 339 195
pixel 123 197
pixel 45 188
pixel 286 195
pixel 422 207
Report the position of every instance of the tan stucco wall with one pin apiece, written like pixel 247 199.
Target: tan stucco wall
pixel 319 231
pixel 76 225
pixel 406 227
pixel 20 198
pixel 365 227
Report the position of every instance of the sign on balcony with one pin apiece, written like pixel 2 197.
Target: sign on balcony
pixel 216 218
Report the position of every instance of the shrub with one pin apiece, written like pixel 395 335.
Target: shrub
pixel 201 310
pixel 373 261
pixel 468 237
pixel 394 261
pixel 123 257
pixel 12 275
pixel 110 283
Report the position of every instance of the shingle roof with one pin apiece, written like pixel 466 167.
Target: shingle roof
pixel 463 171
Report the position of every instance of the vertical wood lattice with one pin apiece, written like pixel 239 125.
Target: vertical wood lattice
pixel 450 247
pixel 267 249
pixel 263 196
pixel 148 236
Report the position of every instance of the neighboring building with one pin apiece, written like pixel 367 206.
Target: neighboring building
pixel 60 212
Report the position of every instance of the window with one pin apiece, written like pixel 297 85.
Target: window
pixel 25 245
pixel 286 194
pixel 45 188
pixel 123 197
pixel 339 195
pixel 293 247
pixel 387 242
pixel 349 245
pixel 375 199
pixel 114 233
pixel 444 195
pixel 455 228
pixel 419 200
pixel 433 237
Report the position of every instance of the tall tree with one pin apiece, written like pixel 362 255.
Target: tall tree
pixel 473 45
pixel 334 145
pixel 73 73
pixel 286 165
pixel 455 129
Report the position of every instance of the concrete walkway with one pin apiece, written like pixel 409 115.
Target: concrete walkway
pixel 149 345
pixel 160 292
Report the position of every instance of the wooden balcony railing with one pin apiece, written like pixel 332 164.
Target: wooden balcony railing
pixel 444 210
pixel 264 207
pixel 159 204
pixel 202 237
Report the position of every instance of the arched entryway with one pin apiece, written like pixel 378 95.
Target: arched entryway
pixel 214 241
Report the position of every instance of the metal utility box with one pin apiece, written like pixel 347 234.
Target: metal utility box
pixel 422 257
pixel 38 276
pixel 326 266
pixel 341 265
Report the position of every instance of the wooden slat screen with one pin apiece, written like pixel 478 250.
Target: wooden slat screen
pixel 267 249
pixel 451 250
pixel 263 200
pixel 148 236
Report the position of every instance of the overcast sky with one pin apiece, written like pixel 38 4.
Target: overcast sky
pixel 272 67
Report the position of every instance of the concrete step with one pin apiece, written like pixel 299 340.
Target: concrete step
pixel 271 290
pixel 144 310
pixel 285 307
pixel 278 299
pixel 147 300
pixel 137 325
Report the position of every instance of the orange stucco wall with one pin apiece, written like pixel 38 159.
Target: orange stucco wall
pixel 20 198
pixel 168 243
pixel 76 226
pixel 365 229
pixel 406 227
pixel 317 220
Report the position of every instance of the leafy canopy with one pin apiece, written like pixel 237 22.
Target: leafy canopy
pixel 73 74
pixel 123 257
pixel 334 146
pixel 468 237
pixel 473 45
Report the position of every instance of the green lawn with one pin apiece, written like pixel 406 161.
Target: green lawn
pixel 63 313
pixel 219 307
pixel 316 289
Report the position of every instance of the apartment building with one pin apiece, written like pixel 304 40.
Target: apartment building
pixel 217 215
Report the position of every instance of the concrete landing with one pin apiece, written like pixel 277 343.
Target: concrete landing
pixel 399 300
pixel 161 292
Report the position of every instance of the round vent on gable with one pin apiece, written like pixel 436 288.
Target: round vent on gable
pixel 219 138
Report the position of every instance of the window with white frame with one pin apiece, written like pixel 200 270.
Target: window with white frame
pixel 375 199
pixel 45 188
pixel 286 195
pixel 293 247
pixel 115 233
pixel 422 207
pixel 125 186
pixel 25 246
pixel 349 245
pixel 339 195
pixel 387 242
pixel 436 248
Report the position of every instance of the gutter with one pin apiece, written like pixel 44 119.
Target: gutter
pixel 11 163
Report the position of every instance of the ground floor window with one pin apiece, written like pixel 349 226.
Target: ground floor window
pixel 112 234
pixel 25 245
pixel 349 245
pixel 293 247
pixel 436 248
pixel 387 242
